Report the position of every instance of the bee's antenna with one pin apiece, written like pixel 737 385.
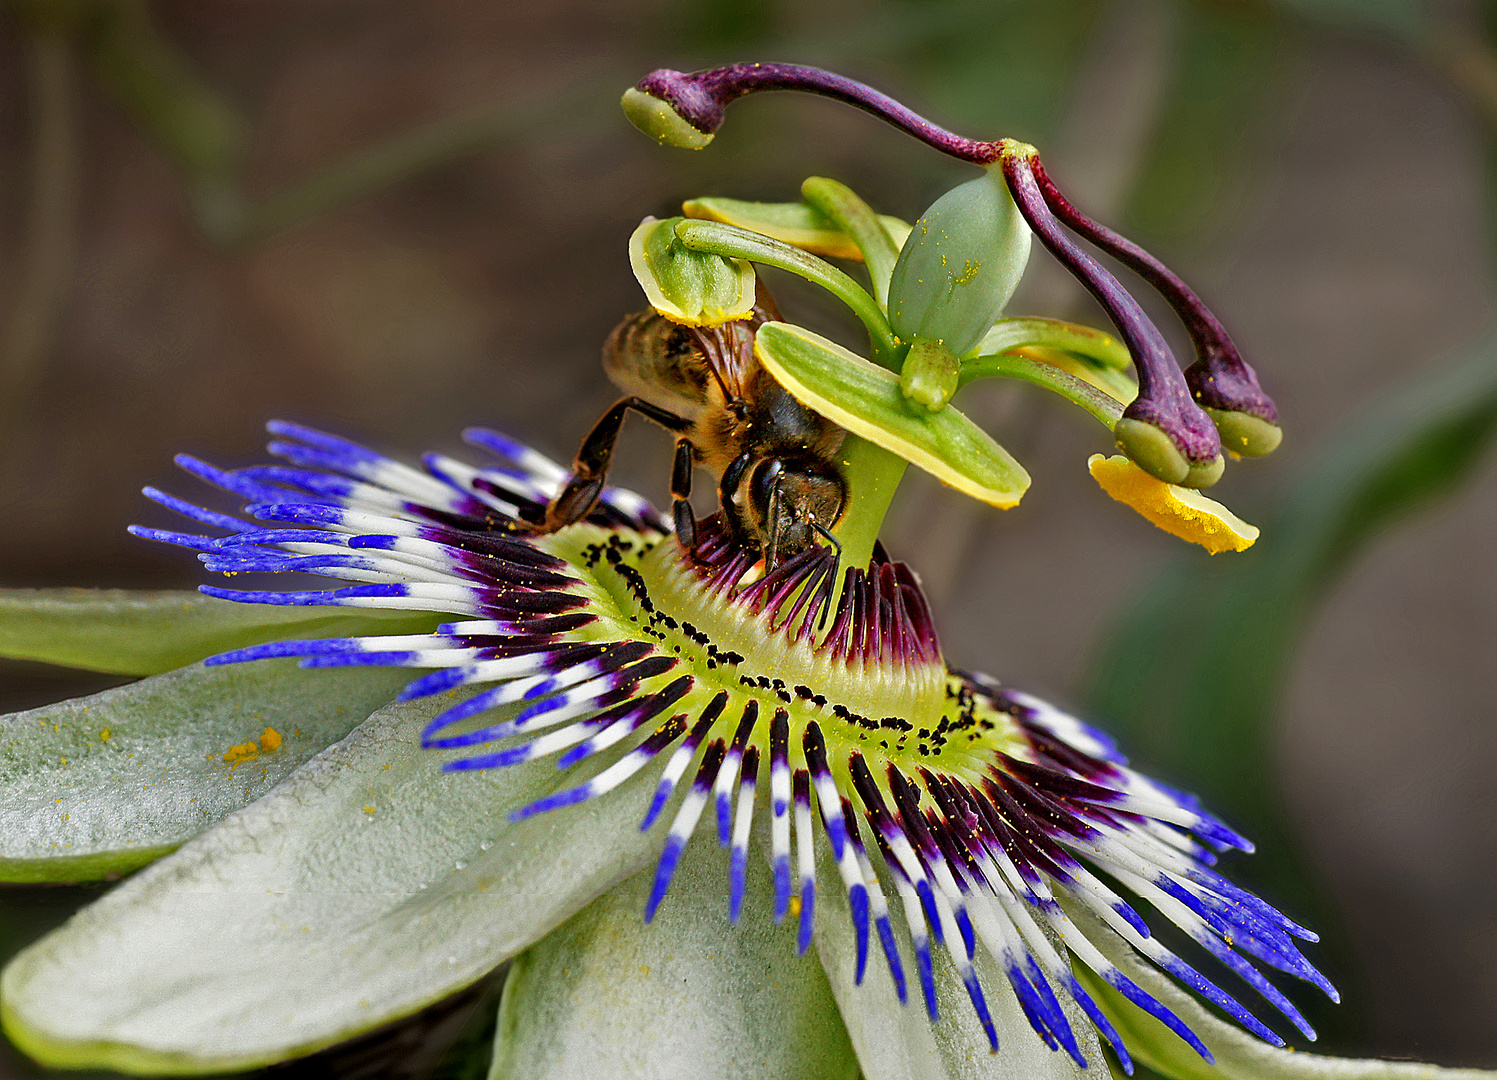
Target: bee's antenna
pixel 829 538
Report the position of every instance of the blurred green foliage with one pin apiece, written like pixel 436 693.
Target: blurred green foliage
pixel 1226 77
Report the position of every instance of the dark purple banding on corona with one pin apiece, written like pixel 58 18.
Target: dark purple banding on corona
pixel 1163 400
pixel 880 616
pixel 1220 378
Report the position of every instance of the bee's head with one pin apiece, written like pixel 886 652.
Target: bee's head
pixel 787 497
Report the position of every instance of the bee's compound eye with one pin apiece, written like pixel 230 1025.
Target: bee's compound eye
pixel 761 486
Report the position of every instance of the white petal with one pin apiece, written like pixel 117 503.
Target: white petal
pixel 898 1042
pixel 107 783
pixel 364 887
pixel 682 998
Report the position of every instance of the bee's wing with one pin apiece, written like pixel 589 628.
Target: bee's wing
pixel 728 352
pixel 729 349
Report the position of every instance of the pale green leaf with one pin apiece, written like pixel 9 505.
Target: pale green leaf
pixel 866 400
pixel 146 632
pixel 684 997
pixel 101 785
pixel 365 886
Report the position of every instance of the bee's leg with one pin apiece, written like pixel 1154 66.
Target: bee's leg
pixel 590 467
pixel 727 487
pixel 686 520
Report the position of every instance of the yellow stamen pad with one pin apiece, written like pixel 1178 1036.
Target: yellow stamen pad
pixel 1184 512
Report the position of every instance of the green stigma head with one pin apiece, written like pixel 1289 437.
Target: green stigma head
pixel 658 120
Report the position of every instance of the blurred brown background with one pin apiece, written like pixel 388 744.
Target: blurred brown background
pixel 1316 169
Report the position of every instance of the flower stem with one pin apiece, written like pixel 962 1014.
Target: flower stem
pixel 872 475
pixel 1106 409
pixel 716 238
pixel 700 97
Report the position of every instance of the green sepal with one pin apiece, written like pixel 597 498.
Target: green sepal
pixel 685 285
pixel 866 400
pixel 797 224
pixel 101 785
pixel 366 886
pixel 960 265
pixel 143 632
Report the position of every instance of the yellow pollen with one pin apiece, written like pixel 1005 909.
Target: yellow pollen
pixel 1184 512
pixel 235 754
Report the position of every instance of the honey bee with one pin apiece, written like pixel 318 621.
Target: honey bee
pixel 774 459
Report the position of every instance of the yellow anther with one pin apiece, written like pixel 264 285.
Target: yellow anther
pixel 1182 511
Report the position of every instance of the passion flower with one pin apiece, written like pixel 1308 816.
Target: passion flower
pixel 971 827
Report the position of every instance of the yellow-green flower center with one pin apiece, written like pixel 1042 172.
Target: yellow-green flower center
pixel 853 672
